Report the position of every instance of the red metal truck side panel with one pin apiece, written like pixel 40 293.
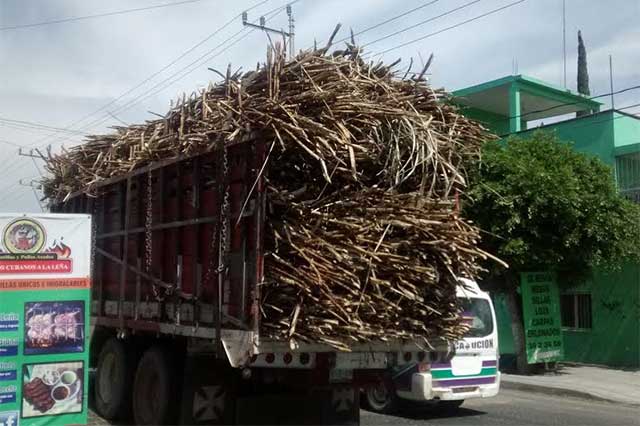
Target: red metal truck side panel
pixel 187 201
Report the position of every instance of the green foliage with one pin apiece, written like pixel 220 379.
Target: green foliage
pixel 544 206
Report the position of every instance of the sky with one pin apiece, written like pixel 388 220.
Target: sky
pixel 85 75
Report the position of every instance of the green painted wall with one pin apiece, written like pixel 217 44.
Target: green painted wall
pixel 503 318
pixel 497 123
pixel 592 134
pixel 614 338
pixel 626 130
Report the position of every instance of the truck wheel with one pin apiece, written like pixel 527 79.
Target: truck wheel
pixel 155 389
pixel 113 379
pixel 381 398
pixel 450 406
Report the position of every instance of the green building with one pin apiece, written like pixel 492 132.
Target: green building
pixel 601 317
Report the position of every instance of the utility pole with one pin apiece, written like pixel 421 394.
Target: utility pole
pixel 613 105
pixel 292 50
pixel 564 42
pixel 33 153
pixel 33 185
pixel 262 26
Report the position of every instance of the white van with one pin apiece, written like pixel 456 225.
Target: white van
pixel 472 372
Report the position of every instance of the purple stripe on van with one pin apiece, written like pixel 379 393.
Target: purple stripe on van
pixel 490 363
pixel 465 382
pixel 441 365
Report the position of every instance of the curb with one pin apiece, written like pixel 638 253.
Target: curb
pixel 506 384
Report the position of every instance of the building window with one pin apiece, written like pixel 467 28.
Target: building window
pixel 576 311
pixel 628 175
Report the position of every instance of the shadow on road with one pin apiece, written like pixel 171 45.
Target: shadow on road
pixel 412 412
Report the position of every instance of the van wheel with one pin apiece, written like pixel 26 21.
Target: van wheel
pixel 154 389
pixel 381 398
pixel 450 406
pixel 114 375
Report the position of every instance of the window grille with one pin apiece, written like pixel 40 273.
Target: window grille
pixel 576 311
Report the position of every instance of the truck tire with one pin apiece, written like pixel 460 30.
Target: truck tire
pixel 114 375
pixel 155 388
pixel 381 398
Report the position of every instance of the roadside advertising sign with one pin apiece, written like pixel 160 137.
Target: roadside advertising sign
pixel 44 318
pixel 541 309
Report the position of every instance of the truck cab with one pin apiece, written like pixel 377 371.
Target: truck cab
pixel 472 372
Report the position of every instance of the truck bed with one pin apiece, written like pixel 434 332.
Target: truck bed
pixel 163 232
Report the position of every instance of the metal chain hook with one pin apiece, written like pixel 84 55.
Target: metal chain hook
pixel 148 238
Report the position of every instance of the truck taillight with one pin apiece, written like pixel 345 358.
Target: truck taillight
pixel 287 358
pixel 421 356
pixel 270 358
pixel 408 356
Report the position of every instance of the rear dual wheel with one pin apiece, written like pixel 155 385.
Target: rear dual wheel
pixel 114 375
pixel 156 388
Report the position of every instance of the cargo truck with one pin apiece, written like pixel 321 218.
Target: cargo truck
pixel 178 259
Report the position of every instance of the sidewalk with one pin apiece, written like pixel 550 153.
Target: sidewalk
pixel 582 381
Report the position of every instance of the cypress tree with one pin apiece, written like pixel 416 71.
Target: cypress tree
pixel 583 74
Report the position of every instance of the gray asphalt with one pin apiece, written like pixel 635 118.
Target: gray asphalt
pixel 513 407
pixel 510 407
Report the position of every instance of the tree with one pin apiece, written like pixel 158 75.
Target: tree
pixel 583 74
pixel 544 206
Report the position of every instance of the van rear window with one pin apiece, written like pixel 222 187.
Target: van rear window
pixel 477 314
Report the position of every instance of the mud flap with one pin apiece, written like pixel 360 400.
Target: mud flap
pixel 345 407
pixel 208 393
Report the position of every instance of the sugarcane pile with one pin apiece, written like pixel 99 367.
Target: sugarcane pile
pixel 363 237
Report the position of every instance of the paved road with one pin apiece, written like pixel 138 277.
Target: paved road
pixel 512 407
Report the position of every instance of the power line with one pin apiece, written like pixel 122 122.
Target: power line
pixel 6 142
pixel 150 92
pixel 373 27
pixel 579 126
pixel 34 125
pixel 194 65
pixel 626 89
pixel 155 74
pixel 451 27
pixel 97 15
pixel 471 3
pixel 198 62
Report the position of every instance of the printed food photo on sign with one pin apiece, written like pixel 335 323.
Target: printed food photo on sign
pixel 54 327
pixel 52 389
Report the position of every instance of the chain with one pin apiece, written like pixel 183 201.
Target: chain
pixel 212 258
pixel 148 235
pixel 94 238
pixel 224 228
